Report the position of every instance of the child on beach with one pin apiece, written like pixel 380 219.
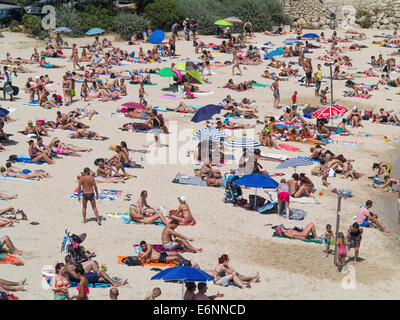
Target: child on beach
pixel 328 238
pixel 294 97
pixel 325 172
pixel 341 242
pixel 141 93
pixel 283 196
pixel 322 95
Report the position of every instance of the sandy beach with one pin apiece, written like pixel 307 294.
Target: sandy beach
pixel 289 269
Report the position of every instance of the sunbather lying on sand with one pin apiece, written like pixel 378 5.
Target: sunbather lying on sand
pixel 147 255
pixel 309 228
pixel 6 241
pixel 135 215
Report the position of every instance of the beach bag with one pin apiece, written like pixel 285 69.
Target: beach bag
pixel 368 113
pixel 184 262
pixel 131 261
pixel 258 202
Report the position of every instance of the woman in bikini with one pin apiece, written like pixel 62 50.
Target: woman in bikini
pixel 83 284
pixel 19 174
pixel 182 214
pixel 309 228
pixel 143 206
pixel 83 133
pixel 60 283
pixel 57 147
pixel 235 62
pixel 225 273
pixel 135 215
pixel 36 155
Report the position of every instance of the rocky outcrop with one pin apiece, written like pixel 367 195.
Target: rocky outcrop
pixel 381 14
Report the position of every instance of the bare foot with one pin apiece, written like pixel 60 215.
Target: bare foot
pixel 22 282
pixel 84 221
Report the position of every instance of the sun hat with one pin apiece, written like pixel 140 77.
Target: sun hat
pixel 30 122
pixel 182 198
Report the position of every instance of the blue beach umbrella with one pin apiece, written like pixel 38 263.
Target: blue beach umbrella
pixel 257 181
pixel 294 163
pixel 310 36
pixel 206 112
pixel 62 30
pixel 274 53
pixel 3 112
pixel 94 31
pixel 183 273
pixel 157 37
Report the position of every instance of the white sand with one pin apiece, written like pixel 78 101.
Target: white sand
pixel 288 269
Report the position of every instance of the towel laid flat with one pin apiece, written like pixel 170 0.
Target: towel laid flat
pixel 158 248
pixel 126 218
pixel 15 179
pixel 154 264
pixel 194 181
pixel 104 194
pixel 7 259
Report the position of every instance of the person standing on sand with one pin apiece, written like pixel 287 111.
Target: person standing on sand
pixel 88 184
pixel 141 93
pixel 276 94
pixel 318 79
pixel 308 70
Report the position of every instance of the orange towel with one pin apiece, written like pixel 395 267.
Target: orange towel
pixel 153 264
pixel 11 260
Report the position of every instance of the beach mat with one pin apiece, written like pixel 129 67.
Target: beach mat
pixel 27 159
pixel 169 96
pixel 153 264
pixel 189 180
pixel 104 194
pixel 288 147
pixel 16 179
pixel 158 248
pixel 126 218
pixel 7 259
pixel 307 240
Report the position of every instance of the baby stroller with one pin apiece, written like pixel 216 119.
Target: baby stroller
pixel 233 192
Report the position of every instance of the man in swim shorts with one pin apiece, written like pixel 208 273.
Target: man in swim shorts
pixel 172 240
pixel 89 187
pixel 148 254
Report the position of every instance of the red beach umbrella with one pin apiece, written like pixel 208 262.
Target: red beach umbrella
pixel 330 111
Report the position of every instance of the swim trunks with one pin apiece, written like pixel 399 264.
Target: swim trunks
pixel 276 95
pixel 365 224
pixel 163 257
pixel 308 75
pixel 88 196
pixel 170 246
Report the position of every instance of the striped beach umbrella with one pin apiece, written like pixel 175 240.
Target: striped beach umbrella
pixel 209 134
pixel 233 20
pixel 294 163
pixel 244 143
pixel 330 112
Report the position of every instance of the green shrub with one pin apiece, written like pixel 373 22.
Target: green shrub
pixel 366 23
pixel 32 23
pixel 42 34
pixel 206 12
pixel 128 24
pixel 69 18
pixel 163 14
pixel 360 13
pixel 263 14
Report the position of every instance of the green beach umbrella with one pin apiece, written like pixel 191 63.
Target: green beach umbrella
pixel 166 72
pixel 191 69
pixel 223 23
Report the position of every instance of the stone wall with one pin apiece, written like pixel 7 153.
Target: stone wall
pixel 382 14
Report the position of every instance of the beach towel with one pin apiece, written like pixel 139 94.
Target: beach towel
pixel 27 159
pixel 306 158
pixel 104 194
pixel 154 264
pixel 74 284
pixel 349 142
pixel 139 150
pixel 309 239
pixel 190 180
pixel 361 96
pixel 203 93
pixel 158 248
pixel 260 85
pixel 126 218
pixel 16 179
pixel 288 147
pixel 281 124
pixel 169 96
pixel 158 108
pixel 7 259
